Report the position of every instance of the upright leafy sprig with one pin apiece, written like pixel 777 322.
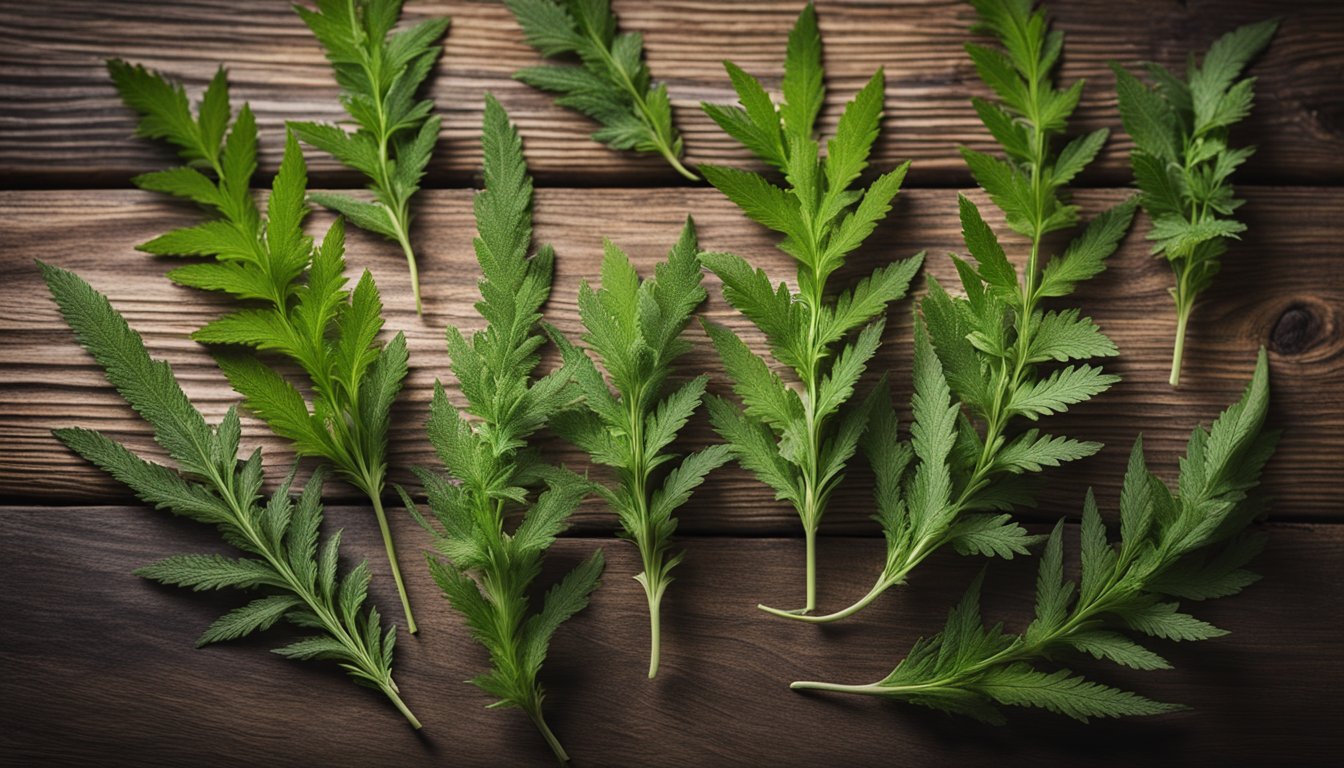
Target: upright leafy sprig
pixel 1182 162
pixel 967 464
pixel 379 72
pixel 488 572
pixel 298 306
pixel 611 83
pixel 280 538
pixel 634 327
pixel 799 443
pixel 1192 544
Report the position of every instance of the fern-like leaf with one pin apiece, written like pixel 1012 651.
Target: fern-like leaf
pixel 278 538
pixel 1170 544
pixel 485 571
pixel 379 72
pixel 609 81
pixel 297 306
pixel 798 440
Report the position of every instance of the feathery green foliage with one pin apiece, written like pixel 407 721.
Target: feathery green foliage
pixel 298 306
pixel 280 537
pixel 634 328
pixel 379 72
pixel 1192 544
pixel 486 572
pixel 611 83
pixel 978 367
pixel 799 442
pixel 1182 162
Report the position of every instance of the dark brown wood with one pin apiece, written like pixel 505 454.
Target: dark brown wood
pixel 99 667
pixel 62 124
pixel 1281 287
pixel 104 671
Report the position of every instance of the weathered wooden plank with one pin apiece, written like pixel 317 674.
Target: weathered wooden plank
pixel 1282 286
pixel 100 667
pixel 61 124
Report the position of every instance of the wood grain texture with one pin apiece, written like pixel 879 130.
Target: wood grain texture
pixel 100 668
pixel 61 123
pixel 1283 286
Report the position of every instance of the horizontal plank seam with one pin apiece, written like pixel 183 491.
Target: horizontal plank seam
pixel 17 504
pixel 63 184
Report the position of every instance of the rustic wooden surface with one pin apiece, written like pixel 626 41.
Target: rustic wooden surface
pixel 98 665
pixel 110 654
pixel 54 89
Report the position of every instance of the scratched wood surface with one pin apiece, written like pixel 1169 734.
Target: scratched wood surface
pixel 98 665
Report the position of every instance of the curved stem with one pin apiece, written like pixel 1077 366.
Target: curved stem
pixel 881 586
pixel 551 740
pixel 676 163
pixel 405 241
pixel 810 536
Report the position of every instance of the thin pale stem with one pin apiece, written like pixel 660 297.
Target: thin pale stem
pixel 391 692
pixel 813 685
pixel 655 641
pixel 882 586
pixel 405 242
pixel 676 163
pixel 1178 351
pixel 811 536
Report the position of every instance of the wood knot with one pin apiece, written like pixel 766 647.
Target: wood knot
pixel 1299 329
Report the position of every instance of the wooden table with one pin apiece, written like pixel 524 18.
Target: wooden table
pixel 99 666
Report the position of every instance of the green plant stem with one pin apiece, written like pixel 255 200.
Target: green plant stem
pixel 645 534
pixel 405 241
pixel 376 498
pixel 1183 308
pixel 1080 618
pixel 895 572
pixel 390 690
pixel 813 504
pixel 655 641
pixel 551 740
pixel 399 214
pixel 676 163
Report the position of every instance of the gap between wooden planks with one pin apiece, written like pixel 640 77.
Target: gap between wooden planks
pixel 100 665
pixel 64 126
pixel 1282 286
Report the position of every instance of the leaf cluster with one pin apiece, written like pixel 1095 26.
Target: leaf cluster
pixel 799 443
pixel 484 570
pixel 610 82
pixel 634 329
pixel 994 356
pixel 284 556
pixel 1188 544
pixel 379 72
pixel 1182 160
pixel 298 307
